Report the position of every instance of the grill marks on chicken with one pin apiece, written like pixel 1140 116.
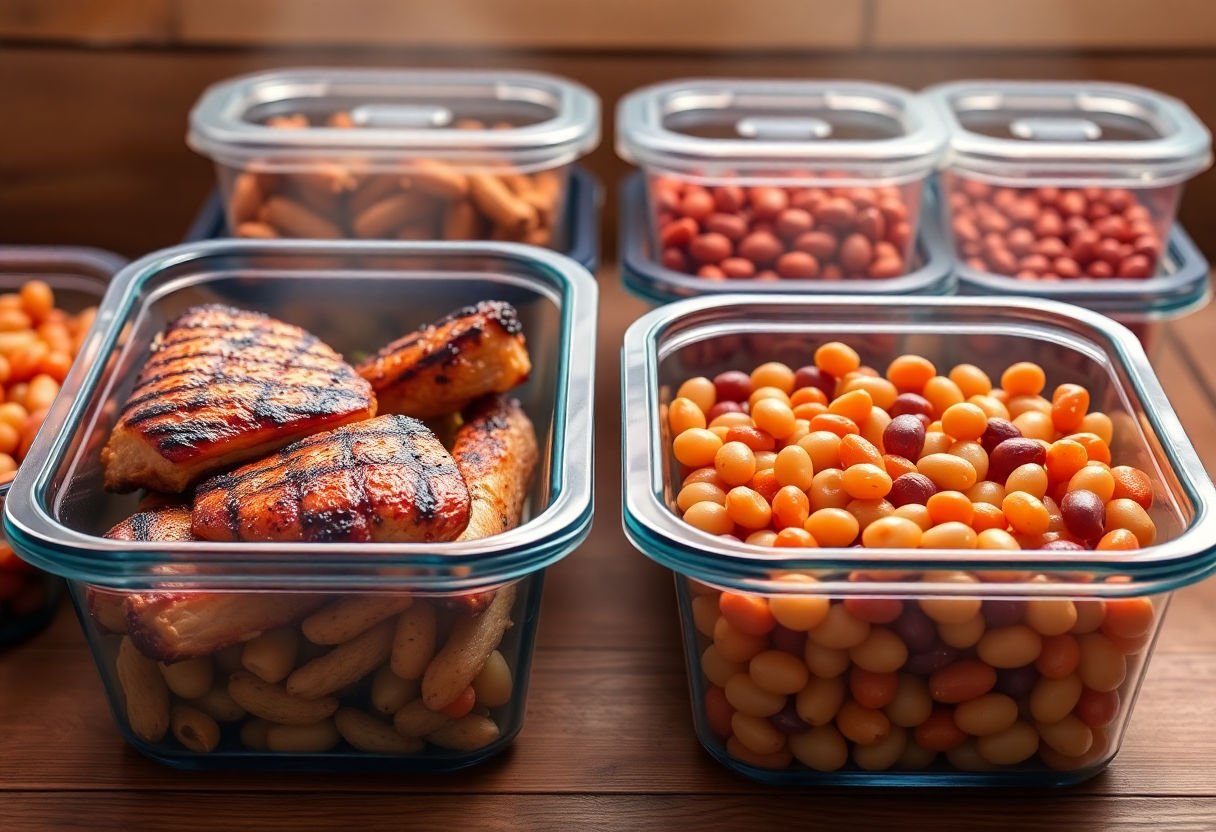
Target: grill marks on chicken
pixel 496 453
pixel 384 480
pixel 223 386
pixel 445 365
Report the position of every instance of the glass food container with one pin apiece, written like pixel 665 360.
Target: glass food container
pixel 1048 182
pixel 775 178
pixel 1063 731
pixel 78 277
pixel 396 154
pixel 188 692
pixel 932 266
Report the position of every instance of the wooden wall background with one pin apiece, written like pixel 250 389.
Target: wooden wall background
pixel 95 93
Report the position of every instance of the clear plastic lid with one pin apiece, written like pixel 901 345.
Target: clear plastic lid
pixel 529 120
pixel 1072 133
pixel 354 296
pixel 704 336
pixel 738 129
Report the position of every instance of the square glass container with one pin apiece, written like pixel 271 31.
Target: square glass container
pixel 406 154
pixel 355 297
pixel 989 706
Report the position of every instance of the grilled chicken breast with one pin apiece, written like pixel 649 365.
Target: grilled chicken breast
pixel 445 365
pixel 223 386
pixel 496 453
pixel 384 480
pixel 171 626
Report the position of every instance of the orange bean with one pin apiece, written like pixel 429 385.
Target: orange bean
pixel 748 614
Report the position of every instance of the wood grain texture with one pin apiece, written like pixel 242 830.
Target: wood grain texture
pixel 565 24
pixel 114 22
pixel 129 183
pixel 1041 24
pixel 607 743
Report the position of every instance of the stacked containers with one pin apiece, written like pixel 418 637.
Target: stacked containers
pixel 964 631
pixel 78 277
pixel 1069 191
pixel 58 510
pixel 396 154
pixel 773 179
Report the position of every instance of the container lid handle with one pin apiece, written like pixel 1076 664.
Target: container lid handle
pixel 1056 129
pixel 783 128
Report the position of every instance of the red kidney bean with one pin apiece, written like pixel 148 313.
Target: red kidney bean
pixel 729 198
pixel 1000 612
pixel 1051 247
pixel 998 431
pixel 1017 682
pixel 812 376
pixel 1066 267
pixel 723 407
pixel 761 247
pixel 819 244
pixel 913 403
pixel 711 272
pixel 731 226
pixel 709 248
pixel 738 267
pixel 904 436
pixel 856 252
pixel 788 641
pixel 674 259
pixel 930 661
pixel 1136 265
pixel 797 265
pixel 1012 453
pixel 917 630
pixel 887 267
pixel 911 488
pixel 768 201
pixel 697 203
pixel 793 221
pixel 1062 546
pixel 733 386
pixel 872 224
pixel 678 232
pixel 787 720
pixel 1084 514
pixel 838 212
pixel 1100 269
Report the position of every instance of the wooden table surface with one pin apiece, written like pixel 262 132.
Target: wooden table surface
pixel 608 740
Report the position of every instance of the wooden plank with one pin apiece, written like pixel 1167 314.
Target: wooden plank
pixel 562 24
pixel 306 812
pixel 1042 24
pixel 113 23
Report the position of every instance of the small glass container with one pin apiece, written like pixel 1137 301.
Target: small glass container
pixel 776 178
pixel 407 154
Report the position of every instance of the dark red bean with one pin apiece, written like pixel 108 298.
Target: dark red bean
pixel 1060 545
pixel 728 198
pixel 998 431
pixel 1017 682
pixel 709 248
pixel 738 268
pixel 767 201
pixel 678 233
pixel 697 203
pixel 674 259
pixel 915 628
pixel 839 212
pixel 911 403
pixel 794 221
pixel 1084 514
pixel 911 488
pixel 1011 453
pixel 788 641
pixel 797 265
pixel 723 407
pixel 820 244
pixel 872 223
pixel 733 386
pixel 923 663
pixel 904 436
pixel 856 252
pixel 787 720
pixel 731 226
pixel 761 247
pixel 812 376
pixel 1001 612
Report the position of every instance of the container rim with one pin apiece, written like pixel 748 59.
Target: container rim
pixel 659 534
pixel 1181 150
pixel 650 280
pixel 219 130
pixel 1184 287
pixel 35 532
pixel 644 139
